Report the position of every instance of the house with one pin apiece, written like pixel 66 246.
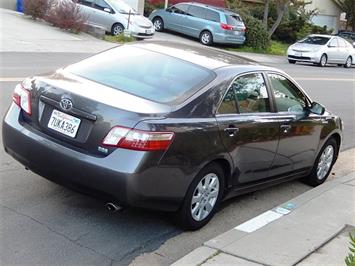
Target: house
pixel 328 14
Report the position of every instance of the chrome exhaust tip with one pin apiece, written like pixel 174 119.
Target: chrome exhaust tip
pixel 112 207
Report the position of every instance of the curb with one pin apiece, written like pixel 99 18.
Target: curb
pixel 218 244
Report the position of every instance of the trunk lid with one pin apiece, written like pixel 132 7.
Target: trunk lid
pixel 79 113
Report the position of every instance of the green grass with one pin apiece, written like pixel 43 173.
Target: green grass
pixel 119 38
pixel 276 48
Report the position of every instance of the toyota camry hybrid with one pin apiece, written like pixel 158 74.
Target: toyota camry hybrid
pixel 170 127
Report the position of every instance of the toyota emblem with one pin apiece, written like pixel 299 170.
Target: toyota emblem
pixel 66 104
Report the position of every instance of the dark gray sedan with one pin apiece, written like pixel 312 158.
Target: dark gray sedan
pixel 170 127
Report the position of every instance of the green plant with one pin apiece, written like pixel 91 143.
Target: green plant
pixel 148 7
pixel 350 259
pixel 256 34
pixel 121 38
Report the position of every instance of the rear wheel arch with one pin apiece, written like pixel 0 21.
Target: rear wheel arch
pixel 227 169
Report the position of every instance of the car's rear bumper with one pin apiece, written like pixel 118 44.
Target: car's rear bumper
pixel 228 38
pixel 117 176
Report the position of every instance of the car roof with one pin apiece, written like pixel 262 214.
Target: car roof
pixel 209 58
pixel 215 8
pixel 322 35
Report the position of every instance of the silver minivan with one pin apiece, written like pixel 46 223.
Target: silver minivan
pixel 115 16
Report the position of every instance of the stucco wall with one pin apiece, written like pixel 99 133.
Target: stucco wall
pixel 9 4
pixel 328 13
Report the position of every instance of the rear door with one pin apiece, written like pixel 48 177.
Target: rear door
pixel 299 130
pixel 344 50
pixel 248 128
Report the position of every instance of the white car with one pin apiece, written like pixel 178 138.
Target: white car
pixel 321 50
pixel 115 16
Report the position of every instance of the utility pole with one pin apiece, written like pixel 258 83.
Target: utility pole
pixel 166 4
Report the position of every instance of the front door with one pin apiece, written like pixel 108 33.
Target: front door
pixel 299 131
pixel 248 128
pixel 176 17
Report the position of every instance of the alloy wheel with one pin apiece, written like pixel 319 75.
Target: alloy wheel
pixel 323 60
pixel 117 30
pixel 206 38
pixel 348 62
pixel 325 162
pixel 205 197
pixel 158 24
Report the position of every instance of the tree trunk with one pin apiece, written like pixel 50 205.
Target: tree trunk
pixel 281 9
pixel 266 13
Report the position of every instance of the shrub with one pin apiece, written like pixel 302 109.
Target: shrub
pixel 36 8
pixel 66 15
pixel 148 7
pixel 256 34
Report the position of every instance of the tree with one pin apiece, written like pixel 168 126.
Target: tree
pixel 348 6
pixel 266 13
pixel 281 8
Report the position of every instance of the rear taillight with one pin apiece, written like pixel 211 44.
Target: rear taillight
pixel 226 26
pixel 140 140
pixel 22 97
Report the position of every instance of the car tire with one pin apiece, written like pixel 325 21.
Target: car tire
pixel 323 60
pixel 206 189
pixel 117 29
pixel 348 62
pixel 158 24
pixel 206 38
pixel 292 61
pixel 323 163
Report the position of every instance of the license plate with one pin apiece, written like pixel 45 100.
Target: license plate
pixel 148 31
pixel 298 54
pixel 64 123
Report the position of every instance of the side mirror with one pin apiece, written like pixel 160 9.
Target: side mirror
pixel 317 108
pixel 106 9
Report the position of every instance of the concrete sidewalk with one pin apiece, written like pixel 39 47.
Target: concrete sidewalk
pixel 309 229
pixel 20 33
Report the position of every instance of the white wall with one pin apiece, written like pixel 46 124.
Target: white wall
pixel 328 13
pixel 9 4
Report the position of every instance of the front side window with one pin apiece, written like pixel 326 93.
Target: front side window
pixel 179 9
pixel 86 2
pixel 251 93
pixel 333 43
pixel 101 5
pixel 288 97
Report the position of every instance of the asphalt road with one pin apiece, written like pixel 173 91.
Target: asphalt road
pixel 43 223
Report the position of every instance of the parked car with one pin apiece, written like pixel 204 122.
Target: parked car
pixel 322 50
pixel 208 24
pixel 348 36
pixel 171 127
pixel 115 16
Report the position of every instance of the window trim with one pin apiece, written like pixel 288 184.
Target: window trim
pixel 308 99
pixel 268 89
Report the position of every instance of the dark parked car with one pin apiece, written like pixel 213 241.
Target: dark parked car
pixel 170 127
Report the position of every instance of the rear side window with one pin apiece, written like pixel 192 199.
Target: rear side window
pixel 86 2
pixel 233 20
pixel 212 15
pixel 196 11
pixel 248 94
pixel 150 75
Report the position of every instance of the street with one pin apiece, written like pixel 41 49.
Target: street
pixel 43 223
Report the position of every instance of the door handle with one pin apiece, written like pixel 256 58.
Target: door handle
pixel 285 128
pixel 231 131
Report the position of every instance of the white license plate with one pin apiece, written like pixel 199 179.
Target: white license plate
pixel 64 123
pixel 148 31
pixel 298 54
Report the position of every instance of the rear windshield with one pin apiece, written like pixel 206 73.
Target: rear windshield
pixel 315 40
pixel 234 20
pixel 147 74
